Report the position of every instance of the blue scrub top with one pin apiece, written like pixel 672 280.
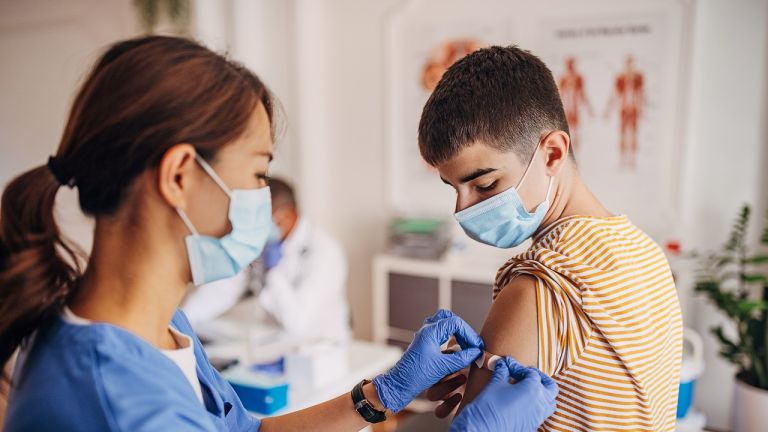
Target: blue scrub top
pixel 99 377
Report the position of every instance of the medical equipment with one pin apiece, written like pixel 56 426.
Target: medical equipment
pixel 689 420
pixel 316 364
pixel 503 220
pixel 487 361
pixel 260 392
pixel 250 214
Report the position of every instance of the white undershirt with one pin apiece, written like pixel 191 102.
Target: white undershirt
pixel 183 357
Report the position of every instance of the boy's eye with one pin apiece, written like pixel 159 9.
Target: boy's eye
pixel 487 188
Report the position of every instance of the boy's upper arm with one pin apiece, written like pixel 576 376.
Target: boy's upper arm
pixel 510 329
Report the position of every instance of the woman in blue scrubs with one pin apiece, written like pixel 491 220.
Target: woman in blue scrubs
pixel 168 145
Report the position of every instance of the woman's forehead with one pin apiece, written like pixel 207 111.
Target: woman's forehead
pixel 258 134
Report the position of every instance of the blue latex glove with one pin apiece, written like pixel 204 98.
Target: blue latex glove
pixel 273 252
pixel 501 406
pixel 423 364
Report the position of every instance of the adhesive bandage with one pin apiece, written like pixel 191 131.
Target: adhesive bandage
pixel 487 361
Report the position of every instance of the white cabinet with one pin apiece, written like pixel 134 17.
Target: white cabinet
pixel 405 291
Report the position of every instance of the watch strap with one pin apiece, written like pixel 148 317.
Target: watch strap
pixel 365 408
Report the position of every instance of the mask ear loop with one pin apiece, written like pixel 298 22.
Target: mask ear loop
pixel 530 163
pixel 528 168
pixel 211 173
pixel 207 168
pixel 186 221
pixel 549 188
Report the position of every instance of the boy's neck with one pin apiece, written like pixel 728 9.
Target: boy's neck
pixel 572 197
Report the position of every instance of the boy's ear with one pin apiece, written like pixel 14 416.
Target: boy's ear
pixel 556 146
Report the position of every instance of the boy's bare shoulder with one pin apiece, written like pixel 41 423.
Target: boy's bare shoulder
pixel 511 325
pixel 510 329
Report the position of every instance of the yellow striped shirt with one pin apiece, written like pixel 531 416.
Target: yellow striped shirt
pixel 610 329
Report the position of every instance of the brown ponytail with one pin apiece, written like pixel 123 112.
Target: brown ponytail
pixel 142 97
pixel 39 267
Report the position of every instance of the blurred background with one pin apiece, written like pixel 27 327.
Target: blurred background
pixel 352 76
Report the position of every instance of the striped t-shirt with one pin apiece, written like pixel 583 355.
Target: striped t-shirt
pixel 609 323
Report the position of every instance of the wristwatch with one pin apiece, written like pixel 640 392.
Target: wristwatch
pixel 365 408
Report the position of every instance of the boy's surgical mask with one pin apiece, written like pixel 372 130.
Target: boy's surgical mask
pixel 250 214
pixel 502 220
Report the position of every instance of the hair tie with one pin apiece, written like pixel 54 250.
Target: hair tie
pixel 63 176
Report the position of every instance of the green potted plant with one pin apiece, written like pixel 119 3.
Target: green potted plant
pixel 735 279
pixel 164 15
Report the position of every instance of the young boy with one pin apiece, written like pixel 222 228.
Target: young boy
pixel 592 302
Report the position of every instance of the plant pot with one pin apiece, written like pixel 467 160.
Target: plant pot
pixel 750 408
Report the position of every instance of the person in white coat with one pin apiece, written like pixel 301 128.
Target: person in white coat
pixel 304 286
pixel 300 280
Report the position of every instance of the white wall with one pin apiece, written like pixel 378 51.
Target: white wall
pixel 341 132
pixel 341 146
pixel 260 34
pixel 46 47
pixel 727 152
pixel 325 60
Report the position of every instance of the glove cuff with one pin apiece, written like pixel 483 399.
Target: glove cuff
pixel 388 392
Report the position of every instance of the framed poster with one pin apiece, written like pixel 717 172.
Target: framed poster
pixel 622 78
pixel 423 38
pixel 621 67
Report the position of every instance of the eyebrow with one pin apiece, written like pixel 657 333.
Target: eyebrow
pixel 475 174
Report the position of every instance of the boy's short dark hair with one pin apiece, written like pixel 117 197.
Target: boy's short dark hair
pixel 505 97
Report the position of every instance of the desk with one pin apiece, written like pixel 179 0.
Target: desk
pixel 366 359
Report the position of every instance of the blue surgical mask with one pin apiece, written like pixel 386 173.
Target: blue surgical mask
pixel 250 214
pixel 502 220
pixel 275 235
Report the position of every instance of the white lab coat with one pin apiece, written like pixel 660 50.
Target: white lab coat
pixel 305 293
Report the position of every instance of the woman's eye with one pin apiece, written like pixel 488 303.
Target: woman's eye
pixel 487 188
pixel 263 178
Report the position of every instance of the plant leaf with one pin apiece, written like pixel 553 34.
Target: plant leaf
pixel 755 278
pixel 764 240
pixel 738 232
pixel 748 307
pixel 757 259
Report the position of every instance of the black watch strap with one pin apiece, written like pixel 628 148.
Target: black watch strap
pixel 363 407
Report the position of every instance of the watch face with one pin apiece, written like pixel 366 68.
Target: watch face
pixel 364 407
pixel 363 404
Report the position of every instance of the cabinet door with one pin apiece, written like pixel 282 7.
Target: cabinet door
pixel 411 300
pixel 471 301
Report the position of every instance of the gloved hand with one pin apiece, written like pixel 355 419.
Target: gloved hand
pixel 423 364
pixel 273 252
pixel 519 407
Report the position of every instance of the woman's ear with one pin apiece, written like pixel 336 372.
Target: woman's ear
pixel 175 174
pixel 556 148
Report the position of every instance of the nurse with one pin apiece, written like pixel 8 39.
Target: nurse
pixel 168 145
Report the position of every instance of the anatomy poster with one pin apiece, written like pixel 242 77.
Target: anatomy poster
pixel 621 74
pixel 619 82
pixel 424 38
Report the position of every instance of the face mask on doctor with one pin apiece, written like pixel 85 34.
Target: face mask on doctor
pixel 502 220
pixel 250 214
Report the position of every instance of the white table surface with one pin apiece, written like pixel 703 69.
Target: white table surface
pixel 366 360
pixel 252 341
